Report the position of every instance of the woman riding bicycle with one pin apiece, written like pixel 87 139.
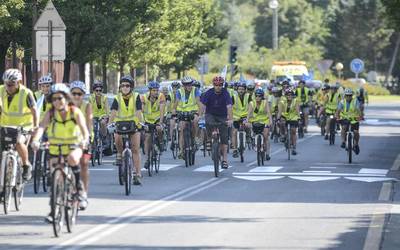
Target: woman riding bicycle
pixel 260 116
pixel 66 126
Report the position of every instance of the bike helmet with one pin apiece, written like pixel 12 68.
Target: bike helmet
pixel 97 84
pixel 232 84
pixel 59 88
pixel 259 92
pixel 176 84
pixel 348 92
pixel 187 80
pixel 12 75
pixel 218 80
pixel 275 90
pixel 333 86
pixel 78 85
pixel 242 84
pixel 128 79
pixel 196 84
pixel 325 87
pixel 236 84
pixel 46 80
pixel 302 82
pixel 251 86
pixel 153 85
pixel 290 91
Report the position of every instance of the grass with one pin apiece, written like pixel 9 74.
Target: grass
pixel 383 98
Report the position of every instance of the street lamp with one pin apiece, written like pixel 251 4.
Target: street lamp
pixel 339 67
pixel 274 4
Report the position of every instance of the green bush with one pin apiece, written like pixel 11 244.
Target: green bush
pixel 370 88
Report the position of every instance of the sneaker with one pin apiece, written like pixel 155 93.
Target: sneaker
pixel 27 172
pixel 267 157
pixel 49 218
pixel 137 180
pixel 343 145
pixel 294 152
pixel 326 137
pixel 356 149
pixel 118 160
pixel 146 164
pixel 224 165
pixel 180 155
pixel 83 201
pixel 235 153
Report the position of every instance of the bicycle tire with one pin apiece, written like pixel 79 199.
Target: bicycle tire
pixel 45 170
pixel 71 209
pixel 185 146
pixel 241 147
pixel 100 153
pixel 37 171
pixel 215 154
pixel 332 131
pixel 174 144
pixel 204 144
pixel 150 159
pixel 259 155
pixel 7 190
pixel 350 147
pixel 120 175
pixel 18 190
pixel 128 173
pixel 289 141
pixel 157 167
pixel 58 201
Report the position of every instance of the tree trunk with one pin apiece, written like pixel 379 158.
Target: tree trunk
pixel 394 59
pixel 67 69
pixel 28 67
pixel 146 74
pixel 133 73
pixel 91 74
pixel 14 55
pixel 122 63
pixel 3 53
pixel 81 72
pixel 104 71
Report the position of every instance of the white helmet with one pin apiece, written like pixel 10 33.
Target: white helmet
pixel 78 84
pixel 46 79
pixel 12 75
pixel 59 87
pixel 348 91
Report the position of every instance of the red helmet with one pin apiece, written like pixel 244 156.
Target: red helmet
pixel 218 80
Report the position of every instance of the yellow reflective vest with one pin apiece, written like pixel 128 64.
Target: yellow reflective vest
pixel 151 111
pixel 289 112
pixel 350 112
pixel 127 113
pixel 240 109
pixel 187 105
pixel 259 114
pixel 101 111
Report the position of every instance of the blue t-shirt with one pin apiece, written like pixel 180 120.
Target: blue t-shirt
pixel 197 93
pixel 216 103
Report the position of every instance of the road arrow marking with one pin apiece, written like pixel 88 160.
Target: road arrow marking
pixel 271 169
pixel 207 168
pixel 370 179
pixel 313 178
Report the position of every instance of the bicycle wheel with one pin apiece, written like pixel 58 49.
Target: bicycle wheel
pixel 259 153
pixel 301 130
pixel 158 158
pixel 350 147
pixel 45 170
pixel 186 147
pixel 128 173
pixel 175 144
pixel 332 131
pixel 215 157
pixel 100 152
pixel 289 141
pixel 150 158
pixel 71 208
pixel 18 190
pixel 241 146
pixel 37 171
pixel 7 189
pixel 204 144
pixel 58 201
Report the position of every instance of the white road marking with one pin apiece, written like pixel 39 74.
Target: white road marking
pixel 110 226
pixel 207 168
pixel 337 163
pixel 323 167
pixel 386 190
pixel 271 169
pixel 315 171
pixel 101 169
pixel 396 164
pixel 370 179
pixel 373 171
pixel 311 174
pixel 313 178
pixel 258 178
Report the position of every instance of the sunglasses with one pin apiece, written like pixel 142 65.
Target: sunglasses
pixel 76 94
pixel 218 85
pixel 125 86
pixel 11 84
pixel 97 90
pixel 54 99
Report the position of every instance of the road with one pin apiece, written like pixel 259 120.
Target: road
pixel 314 201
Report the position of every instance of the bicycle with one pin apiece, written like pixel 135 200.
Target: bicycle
pixel 289 139
pixel 332 130
pixel 154 154
pixel 11 174
pixel 175 140
pixel 259 139
pixel 97 148
pixel 203 133
pixel 322 122
pixel 301 122
pixel 241 136
pixel 40 168
pixel 215 146
pixel 188 141
pixel 349 139
pixel 64 198
pixel 275 130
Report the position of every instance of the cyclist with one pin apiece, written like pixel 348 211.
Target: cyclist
pixel 289 113
pixel 362 96
pixel 153 104
pixel 78 91
pixel 127 107
pixel 349 109
pixel 38 93
pixel 175 85
pixel 240 108
pixel 303 95
pixel 231 88
pixel 18 109
pixel 331 102
pixel 187 100
pixel 250 90
pixel 218 109
pixel 100 106
pixel 66 125
pixel 260 116
pixel 43 104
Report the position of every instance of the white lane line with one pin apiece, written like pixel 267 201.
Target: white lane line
pixel 281 149
pixel 373 171
pixel 396 164
pixel 207 168
pixel 385 192
pixel 337 163
pixel 313 178
pixel 271 169
pixel 315 171
pixel 323 167
pixel 130 213
pixel 101 169
pixel 309 174
pixel 152 210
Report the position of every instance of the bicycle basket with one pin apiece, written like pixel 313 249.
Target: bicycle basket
pixel 125 127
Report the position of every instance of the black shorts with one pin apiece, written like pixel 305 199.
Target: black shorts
pixel 294 124
pixel 258 128
pixel 236 124
pixel 354 126
pixel 223 128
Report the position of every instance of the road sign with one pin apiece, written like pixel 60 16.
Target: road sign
pixel 324 65
pixel 372 76
pixel 357 66
pixel 42 48
pixel 50 14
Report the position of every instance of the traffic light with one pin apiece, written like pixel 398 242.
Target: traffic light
pixel 233 54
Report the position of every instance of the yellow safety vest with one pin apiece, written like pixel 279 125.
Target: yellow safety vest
pixel 172 102
pixel 303 98
pixel 98 112
pixel 240 109
pixel 37 94
pixel 127 113
pixel 290 114
pixel 43 112
pixel 350 113
pixel 332 103
pixel 65 132
pixel 16 113
pixel 151 112
pixel 260 116
pixel 187 105
pixel 274 105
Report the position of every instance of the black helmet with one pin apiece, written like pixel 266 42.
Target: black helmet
pixel 129 79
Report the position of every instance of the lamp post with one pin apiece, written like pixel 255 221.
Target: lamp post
pixel 274 4
pixel 339 68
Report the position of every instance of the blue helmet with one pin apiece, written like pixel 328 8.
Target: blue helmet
pixel 153 85
pixel 259 92
pixel 242 84
pixel 127 78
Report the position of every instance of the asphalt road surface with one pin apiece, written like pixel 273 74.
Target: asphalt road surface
pixel 314 201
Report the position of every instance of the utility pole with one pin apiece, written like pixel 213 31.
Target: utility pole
pixel 34 61
pixel 274 4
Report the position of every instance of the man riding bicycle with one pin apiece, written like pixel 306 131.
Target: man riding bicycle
pixel 18 109
pixel 153 105
pixel 349 109
pixel 240 108
pixel 303 95
pixel 100 106
pixel 43 104
pixel 127 108
pixel 362 97
pixel 260 116
pixel 331 103
pixel 218 109
pixel 289 113
pixel 171 98
pixel 187 100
